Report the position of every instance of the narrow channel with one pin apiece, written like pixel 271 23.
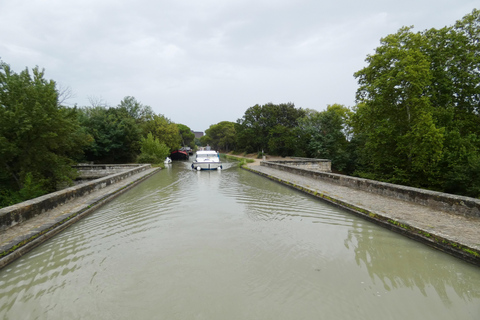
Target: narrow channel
pixel 233 245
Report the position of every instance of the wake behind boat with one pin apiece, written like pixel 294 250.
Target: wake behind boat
pixel 207 160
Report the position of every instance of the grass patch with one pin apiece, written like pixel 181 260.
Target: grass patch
pixel 234 158
pixel 243 161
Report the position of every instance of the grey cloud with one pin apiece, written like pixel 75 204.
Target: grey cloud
pixel 202 62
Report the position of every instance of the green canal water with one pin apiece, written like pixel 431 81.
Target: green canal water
pixel 233 245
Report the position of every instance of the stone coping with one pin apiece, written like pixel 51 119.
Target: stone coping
pixel 296 159
pixel 454 234
pixel 96 171
pixel 20 212
pixel 465 206
pixel 23 237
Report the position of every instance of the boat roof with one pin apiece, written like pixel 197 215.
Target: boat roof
pixel 206 152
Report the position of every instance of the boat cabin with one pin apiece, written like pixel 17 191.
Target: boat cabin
pixel 207 154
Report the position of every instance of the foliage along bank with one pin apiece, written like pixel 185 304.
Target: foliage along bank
pixel 40 139
pixel 416 122
pixel 417 118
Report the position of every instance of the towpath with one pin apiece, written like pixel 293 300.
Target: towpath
pixel 18 239
pixel 454 234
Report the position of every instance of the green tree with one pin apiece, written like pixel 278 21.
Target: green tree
pixel 152 150
pixel 251 132
pixel 282 141
pixel 164 130
pixel 394 112
pixel 326 135
pixel 270 128
pixel 38 137
pixel 136 110
pixel 116 135
pixel 456 96
pixel 220 136
pixel 416 119
pixel 186 135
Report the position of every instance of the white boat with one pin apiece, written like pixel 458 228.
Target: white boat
pixel 167 160
pixel 207 160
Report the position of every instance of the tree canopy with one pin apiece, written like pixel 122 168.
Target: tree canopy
pixel 116 135
pixel 220 136
pixel 325 134
pixel 119 132
pixel 38 137
pixel 186 135
pixel 418 107
pixel 152 150
pixel 269 128
pixel 164 130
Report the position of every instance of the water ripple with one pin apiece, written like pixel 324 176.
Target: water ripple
pixel 230 245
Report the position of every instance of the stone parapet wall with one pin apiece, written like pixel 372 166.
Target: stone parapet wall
pixel 321 165
pixel 95 171
pixel 10 216
pixel 465 206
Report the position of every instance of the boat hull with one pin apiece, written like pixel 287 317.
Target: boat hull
pixel 179 155
pixel 207 165
pixel 207 160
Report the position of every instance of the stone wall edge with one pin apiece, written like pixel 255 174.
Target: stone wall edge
pixel 20 212
pixel 460 205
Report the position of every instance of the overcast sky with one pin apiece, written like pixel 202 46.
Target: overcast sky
pixel 199 62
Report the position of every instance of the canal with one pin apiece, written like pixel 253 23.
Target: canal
pixel 233 245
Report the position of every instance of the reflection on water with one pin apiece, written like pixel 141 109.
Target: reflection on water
pixel 232 245
pixel 392 263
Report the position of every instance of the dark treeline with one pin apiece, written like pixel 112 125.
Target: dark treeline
pixel 416 120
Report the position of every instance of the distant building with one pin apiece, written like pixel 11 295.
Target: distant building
pixel 198 134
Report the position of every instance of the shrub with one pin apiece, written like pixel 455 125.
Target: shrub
pixel 152 150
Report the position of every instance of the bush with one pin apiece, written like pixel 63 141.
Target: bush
pixel 31 189
pixel 152 150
